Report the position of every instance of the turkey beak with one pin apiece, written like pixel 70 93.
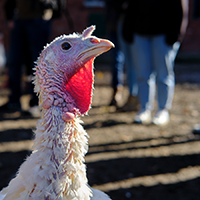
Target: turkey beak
pixel 97 47
pixel 103 44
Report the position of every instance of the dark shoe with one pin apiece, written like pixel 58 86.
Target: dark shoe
pixel 113 102
pixel 132 104
pixel 196 130
pixel 11 107
pixel 117 96
pixel 33 101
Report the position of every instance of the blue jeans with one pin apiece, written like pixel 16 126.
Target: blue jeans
pixel 129 64
pixel 117 62
pixel 154 63
pixel 130 69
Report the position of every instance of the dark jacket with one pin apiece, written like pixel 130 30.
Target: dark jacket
pixel 196 9
pixel 153 17
pixel 23 9
pixel 33 9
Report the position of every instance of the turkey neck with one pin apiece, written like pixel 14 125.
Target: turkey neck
pixel 61 147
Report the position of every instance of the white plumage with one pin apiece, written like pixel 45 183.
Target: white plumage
pixel 55 170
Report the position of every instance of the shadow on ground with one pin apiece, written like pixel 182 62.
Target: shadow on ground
pixel 126 160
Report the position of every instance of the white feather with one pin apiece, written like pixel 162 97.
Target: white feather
pixel 55 170
pixel 98 195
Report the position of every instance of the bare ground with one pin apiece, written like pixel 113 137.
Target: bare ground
pixel 126 160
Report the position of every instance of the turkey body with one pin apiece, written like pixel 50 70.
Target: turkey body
pixel 64 81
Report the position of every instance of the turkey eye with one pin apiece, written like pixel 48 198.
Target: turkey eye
pixel 66 46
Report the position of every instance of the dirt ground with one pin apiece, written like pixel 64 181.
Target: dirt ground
pixel 126 160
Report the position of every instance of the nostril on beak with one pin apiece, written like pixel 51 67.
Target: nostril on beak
pixel 94 40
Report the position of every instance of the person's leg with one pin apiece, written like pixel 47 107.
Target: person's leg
pixel 117 68
pixel 130 68
pixel 142 57
pixel 14 62
pixel 141 53
pixel 117 62
pixel 132 101
pixel 38 32
pixel 163 60
pixel 15 59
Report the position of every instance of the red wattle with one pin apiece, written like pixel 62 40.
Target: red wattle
pixel 80 87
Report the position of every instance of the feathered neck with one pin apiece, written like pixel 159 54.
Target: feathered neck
pixel 59 146
pixel 61 142
pixel 55 170
pixel 60 149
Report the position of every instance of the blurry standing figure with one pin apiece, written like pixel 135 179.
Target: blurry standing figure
pixel 155 29
pixel 120 56
pixel 113 13
pixel 196 16
pixel 29 22
pixel 2 53
pixel 196 9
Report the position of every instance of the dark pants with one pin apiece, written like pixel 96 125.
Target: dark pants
pixel 27 41
pixel 118 60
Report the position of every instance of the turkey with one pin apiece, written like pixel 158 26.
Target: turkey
pixel 64 82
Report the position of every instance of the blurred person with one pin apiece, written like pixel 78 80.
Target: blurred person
pixel 119 55
pixel 113 12
pixel 196 9
pixel 196 16
pixel 2 53
pixel 29 22
pixel 132 101
pixel 155 29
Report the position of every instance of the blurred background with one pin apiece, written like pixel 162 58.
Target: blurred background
pixel 82 13
pixel 126 160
